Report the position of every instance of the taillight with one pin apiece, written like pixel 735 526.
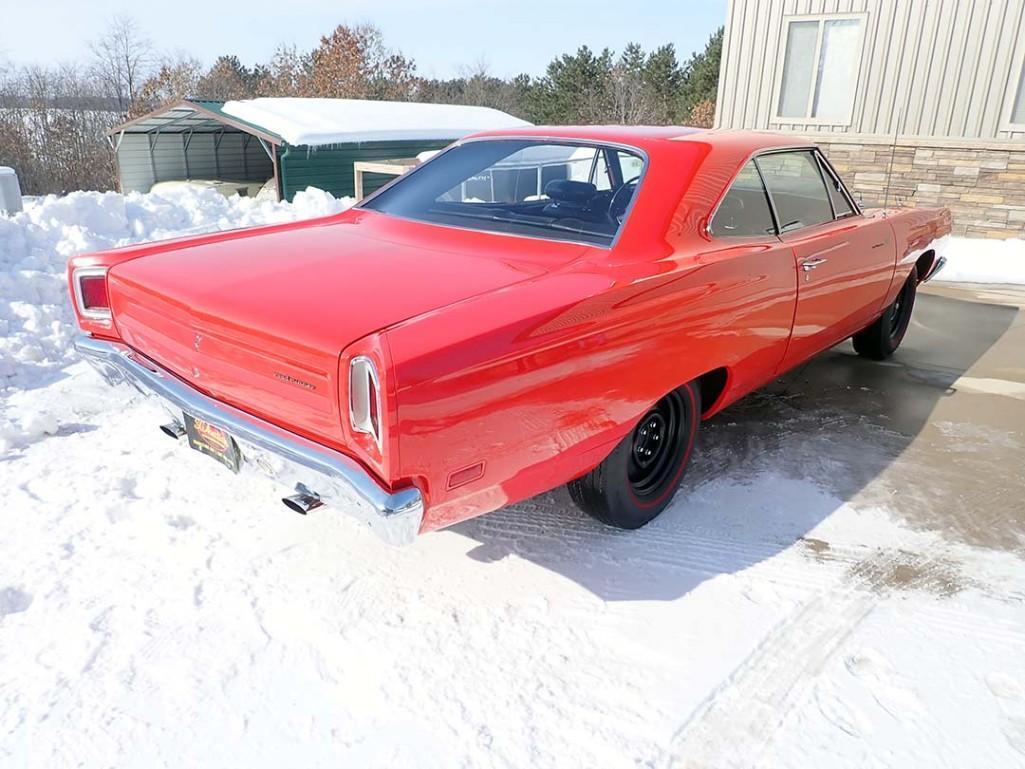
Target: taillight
pixel 365 398
pixel 91 292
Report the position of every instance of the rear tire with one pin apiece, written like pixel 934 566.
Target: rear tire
pixel 880 340
pixel 638 479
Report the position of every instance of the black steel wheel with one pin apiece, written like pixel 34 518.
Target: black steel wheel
pixel 638 479
pixel 880 340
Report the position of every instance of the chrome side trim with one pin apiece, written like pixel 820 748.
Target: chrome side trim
pixel 268 450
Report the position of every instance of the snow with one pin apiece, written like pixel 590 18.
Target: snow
pixel 316 122
pixel 155 612
pixel 36 323
pixel 6 171
pixel 972 260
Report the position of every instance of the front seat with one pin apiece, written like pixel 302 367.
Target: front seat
pixel 569 198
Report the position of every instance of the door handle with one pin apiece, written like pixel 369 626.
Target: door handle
pixel 810 264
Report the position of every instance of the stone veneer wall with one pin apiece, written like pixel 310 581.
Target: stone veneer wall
pixel 982 183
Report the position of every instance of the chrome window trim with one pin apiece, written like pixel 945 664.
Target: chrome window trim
pixel 89 272
pixel 772 204
pixel 752 156
pixel 725 192
pixel 566 140
pixel 855 208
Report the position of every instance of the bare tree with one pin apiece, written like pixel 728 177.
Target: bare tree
pixel 174 79
pixel 52 126
pixel 121 60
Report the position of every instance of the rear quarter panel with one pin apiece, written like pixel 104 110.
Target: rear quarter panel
pixel 916 231
pixel 539 381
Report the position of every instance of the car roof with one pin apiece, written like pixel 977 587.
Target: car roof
pixel 643 137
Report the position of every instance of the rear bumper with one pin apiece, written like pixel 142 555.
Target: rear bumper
pixel 268 450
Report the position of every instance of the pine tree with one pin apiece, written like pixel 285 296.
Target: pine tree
pixel 701 79
pixel 574 89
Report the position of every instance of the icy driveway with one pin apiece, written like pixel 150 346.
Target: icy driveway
pixel 838 584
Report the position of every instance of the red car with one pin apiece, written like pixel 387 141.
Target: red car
pixel 527 309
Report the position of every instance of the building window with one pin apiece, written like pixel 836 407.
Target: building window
pixel 1018 110
pixel 820 69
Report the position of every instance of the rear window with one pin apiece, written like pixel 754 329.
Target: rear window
pixel 559 191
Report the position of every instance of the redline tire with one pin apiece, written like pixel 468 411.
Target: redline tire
pixel 638 479
pixel 880 340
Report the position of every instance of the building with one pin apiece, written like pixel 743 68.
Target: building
pixel 295 142
pixel 920 102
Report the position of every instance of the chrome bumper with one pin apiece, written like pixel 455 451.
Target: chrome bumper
pixel 266 449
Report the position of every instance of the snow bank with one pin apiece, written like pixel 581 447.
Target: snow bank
pixel 36 323
pixel 970 260
pixel 337 121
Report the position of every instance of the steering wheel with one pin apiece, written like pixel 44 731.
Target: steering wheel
pixel 620 200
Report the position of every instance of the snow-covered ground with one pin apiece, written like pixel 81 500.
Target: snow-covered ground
pixel 36 322
pixel 153 612
pixel 973 260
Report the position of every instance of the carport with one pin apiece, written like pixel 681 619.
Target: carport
pixel 192 140
pixel 296 142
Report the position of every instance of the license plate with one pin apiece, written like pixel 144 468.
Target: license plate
pixel 213 442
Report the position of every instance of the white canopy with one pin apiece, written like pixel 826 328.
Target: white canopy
pixel 340 121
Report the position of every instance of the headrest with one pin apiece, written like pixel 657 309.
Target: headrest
pixel 569 191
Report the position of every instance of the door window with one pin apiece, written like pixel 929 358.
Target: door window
pixel 744 210
pixel 796 188
pixel 841 205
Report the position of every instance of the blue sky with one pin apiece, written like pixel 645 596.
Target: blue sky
pixel 443 36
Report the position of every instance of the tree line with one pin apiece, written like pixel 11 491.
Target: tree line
pixel 53 120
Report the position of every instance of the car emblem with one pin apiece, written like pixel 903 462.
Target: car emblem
pixel 292 380
pixel 196 340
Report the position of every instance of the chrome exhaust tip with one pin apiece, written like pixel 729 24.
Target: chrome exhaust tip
pixel 173 429
pixel 302 503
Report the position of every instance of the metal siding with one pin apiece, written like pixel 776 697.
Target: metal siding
pixel 133 163
pixel 940 67
pixel 330 168
pixel 137 164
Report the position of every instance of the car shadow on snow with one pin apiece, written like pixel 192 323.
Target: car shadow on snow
pixel 767 470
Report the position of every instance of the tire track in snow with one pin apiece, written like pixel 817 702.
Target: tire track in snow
pixel 737 721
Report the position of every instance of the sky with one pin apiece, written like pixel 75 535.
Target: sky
pixel 444 37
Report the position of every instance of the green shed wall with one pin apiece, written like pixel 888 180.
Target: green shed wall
pixel 330 168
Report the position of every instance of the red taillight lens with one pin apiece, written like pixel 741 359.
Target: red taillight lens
pixel 365 398
pixel 375 420
pixel 94 292
pixel 90 284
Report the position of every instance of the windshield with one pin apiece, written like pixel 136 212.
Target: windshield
pixel 559 191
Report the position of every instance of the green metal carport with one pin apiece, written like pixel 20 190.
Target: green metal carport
pixel 297 142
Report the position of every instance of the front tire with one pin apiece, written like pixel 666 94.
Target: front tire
pixel 880 340
pixel 639 478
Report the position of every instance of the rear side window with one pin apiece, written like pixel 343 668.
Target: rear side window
pixel 797 190
pixel 744 210
pixel 841 205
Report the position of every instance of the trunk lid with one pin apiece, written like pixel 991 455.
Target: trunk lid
pixel 259 318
